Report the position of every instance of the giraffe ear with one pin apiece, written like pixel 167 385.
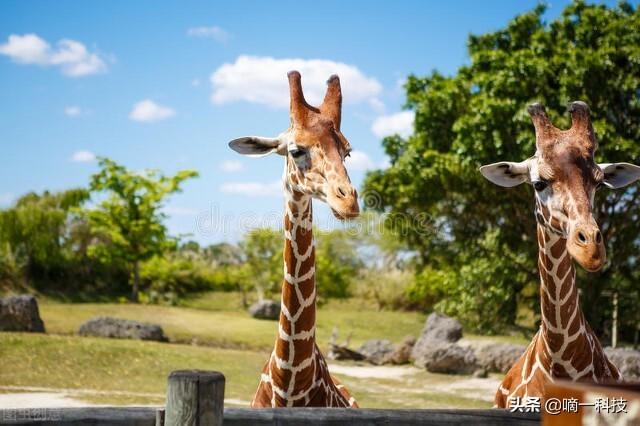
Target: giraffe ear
pixel 256 146
pixel 506 173
pixel 617 175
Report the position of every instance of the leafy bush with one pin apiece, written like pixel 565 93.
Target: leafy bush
pixel 166 278
pixel 387 288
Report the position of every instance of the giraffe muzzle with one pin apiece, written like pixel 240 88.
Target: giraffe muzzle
pixel 586 246
pixel 343 200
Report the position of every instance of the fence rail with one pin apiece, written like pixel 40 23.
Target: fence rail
pixel 196 398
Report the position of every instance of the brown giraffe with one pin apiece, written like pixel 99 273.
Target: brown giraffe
pixel 565 178
pixel 296 374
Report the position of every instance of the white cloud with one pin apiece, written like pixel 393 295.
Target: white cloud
pixel 231 166
pixel 148 111
pixel 377 105
pixel 263 80
pixel 72 111
pixel 83 157
pixel 400 123
pixel 214 32
pixel 6 199
pixel 253 189
pixel 359 161
pixel 71 56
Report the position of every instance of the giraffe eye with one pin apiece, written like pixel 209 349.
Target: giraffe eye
pixel 297 153
pixel 540 185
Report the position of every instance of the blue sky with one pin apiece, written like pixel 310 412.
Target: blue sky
pixel 158 84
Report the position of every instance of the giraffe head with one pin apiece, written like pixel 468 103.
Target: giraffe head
pixel 565 178
pixel 313 147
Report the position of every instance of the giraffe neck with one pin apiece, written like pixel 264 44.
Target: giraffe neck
pixel 565 347
pixel 563 323
pixel 295 353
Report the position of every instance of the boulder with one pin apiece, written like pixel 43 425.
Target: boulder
pixel 376 351
pixel 448 358
pixel 499 357
pixel 265 309
pixel 122 329
pixel 441 328
pixel 627 360
pixel 402 352
pixel 20 313
pixel 437 329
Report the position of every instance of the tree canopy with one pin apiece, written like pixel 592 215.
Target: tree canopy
pixel 129 217
pixel 478 254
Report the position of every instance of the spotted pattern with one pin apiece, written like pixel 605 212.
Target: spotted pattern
pixel 296 374
pixel 565 347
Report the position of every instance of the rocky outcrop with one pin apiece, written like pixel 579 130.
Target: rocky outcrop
pixel 20 313
pixel 402 352
pixel 441 328
pixel 498 357
pixel 265 309
pixel 444 357
pixel 627 360
pixel 437 329
pixel 122 329
pixel 376 351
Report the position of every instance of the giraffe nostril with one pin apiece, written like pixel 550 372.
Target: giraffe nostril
pixel 598 237
pixel 582 238
pixel 340 192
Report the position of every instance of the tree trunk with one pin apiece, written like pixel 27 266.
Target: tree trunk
pixel 136 282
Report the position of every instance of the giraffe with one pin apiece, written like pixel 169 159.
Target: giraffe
pixel 565 178
pixel 314 149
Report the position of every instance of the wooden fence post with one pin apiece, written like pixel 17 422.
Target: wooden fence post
pixel 160 417
pixel 194 398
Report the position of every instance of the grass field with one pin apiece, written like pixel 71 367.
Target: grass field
pixel 109 371
pixel 217 319
pixel 221 336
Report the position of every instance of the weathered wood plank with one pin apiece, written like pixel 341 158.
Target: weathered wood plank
pixel 374 417
pixel 99 416
pixel 146 416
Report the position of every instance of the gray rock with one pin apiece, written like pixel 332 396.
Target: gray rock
pixel 448 358
pixel 627 360
pixel 265 309
pixel 122 329
pixel 480 373
pixel 437 329
pixel 442 328
pixel 376 351
pixel 402 352
pixel 499 357
pixel 20 313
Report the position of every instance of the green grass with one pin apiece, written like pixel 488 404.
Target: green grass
pixel 221 336
pixel 217 319
pixel 120 366
pixel 112 371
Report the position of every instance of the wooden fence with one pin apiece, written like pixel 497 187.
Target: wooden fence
pixel 196 398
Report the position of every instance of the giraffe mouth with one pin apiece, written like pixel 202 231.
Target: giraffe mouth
pixel 344 215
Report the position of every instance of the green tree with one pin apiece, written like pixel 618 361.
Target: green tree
pixel 129 218
pixel 262 270
pixel 480 238
pixel 337 263
pixel 36 238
